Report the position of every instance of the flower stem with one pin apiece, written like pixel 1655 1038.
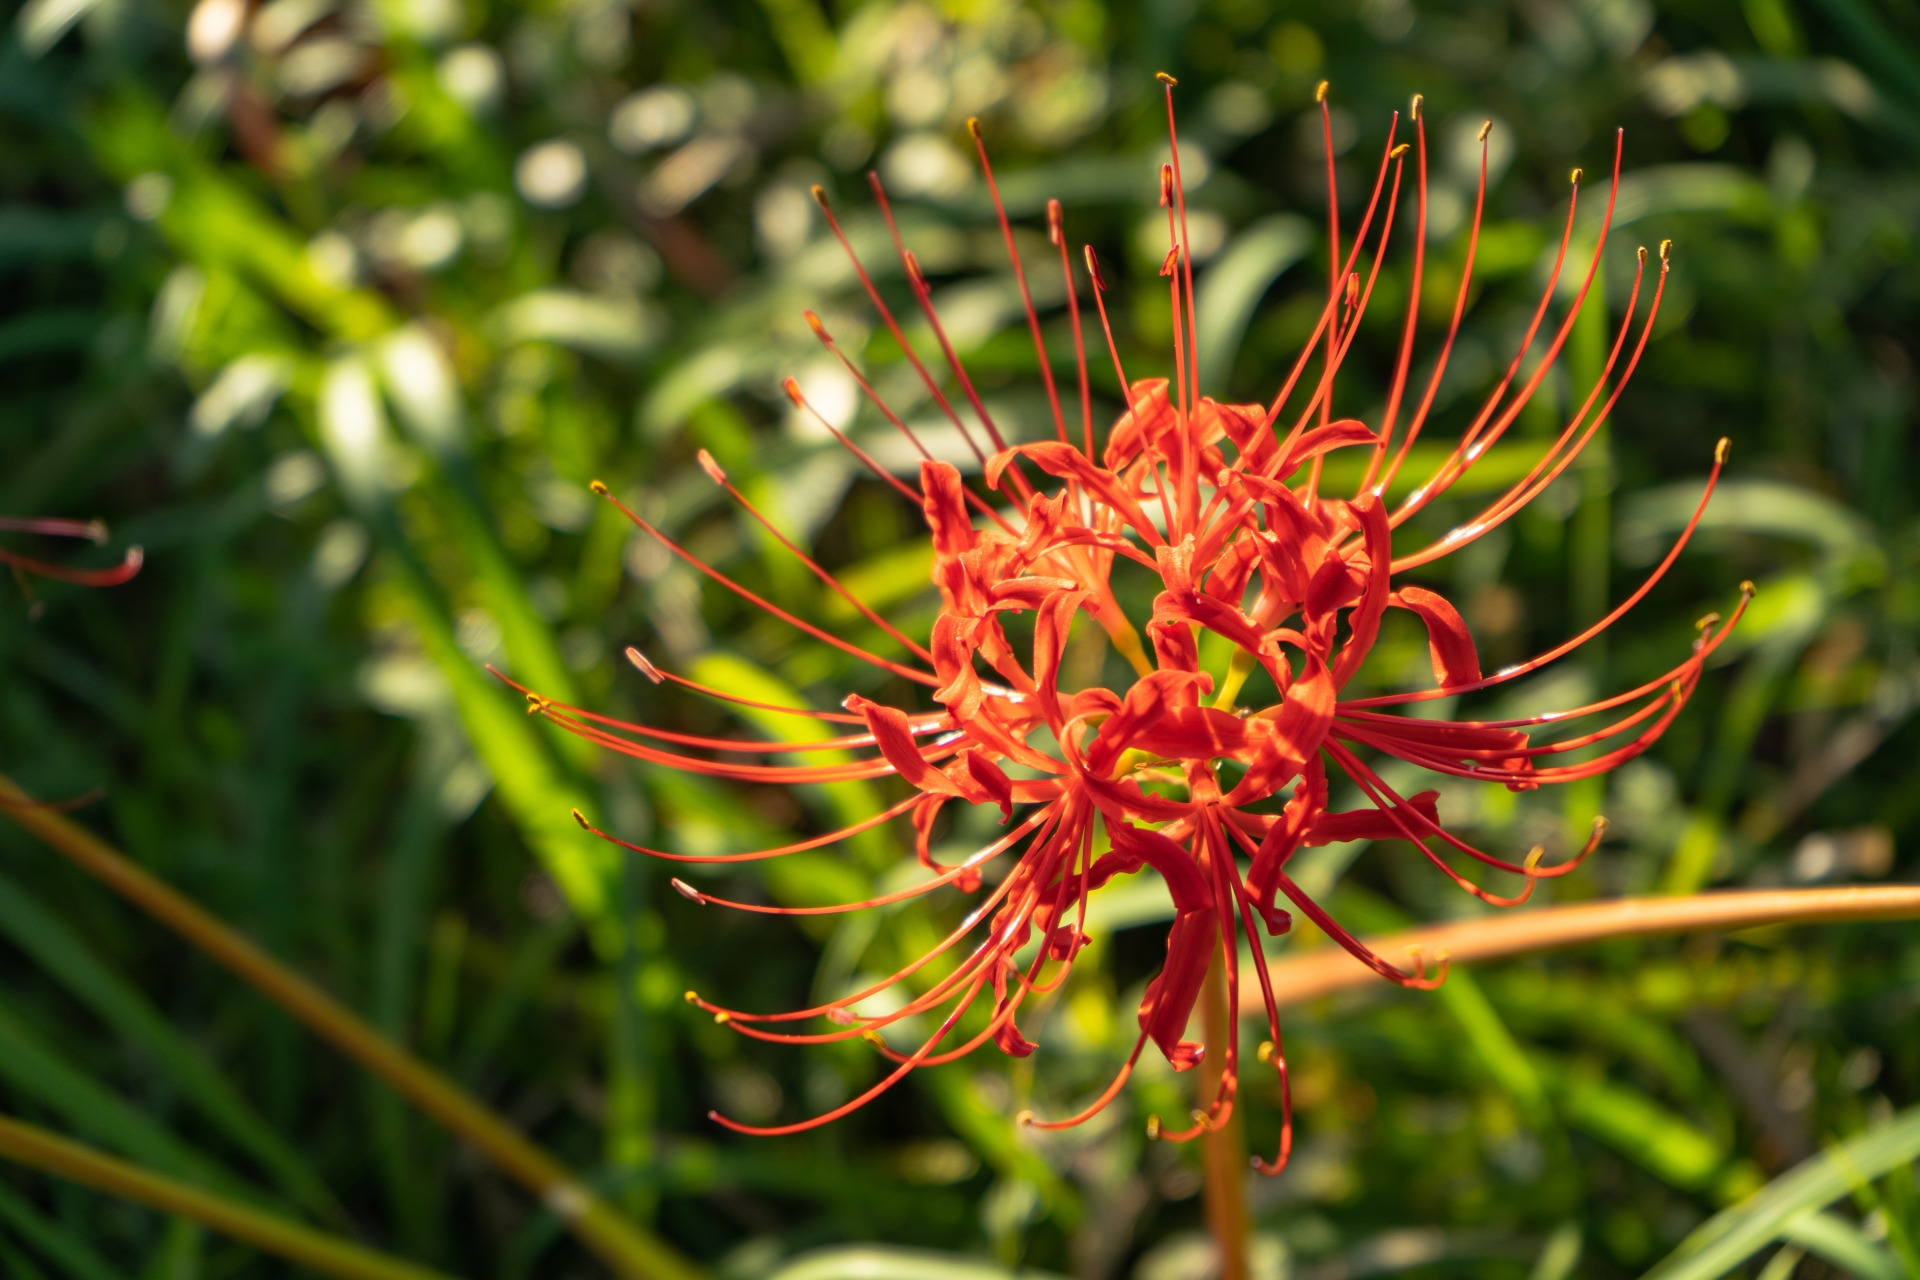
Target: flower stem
pixel 629 1250
pixel 1224 1150
pixel 1299 978
pixel 329 1254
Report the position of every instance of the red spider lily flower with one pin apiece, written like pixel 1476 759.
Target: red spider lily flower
pixel 91 530
pixel 1221 503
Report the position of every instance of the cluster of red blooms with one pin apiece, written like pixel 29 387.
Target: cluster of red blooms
pixel 1244 546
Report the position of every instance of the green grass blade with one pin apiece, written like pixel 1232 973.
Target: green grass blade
pixel 399 931
pixel 316 1250
pixel 861 1262
pixel 62 954
pixel 17 1264
pixel 1644 1131
pixel 42 1072
pixel 1729 1238
pixel 1840 1242
pixel 53 1242
pixel 1499 1052
pixel 532 963
pixel 1234 284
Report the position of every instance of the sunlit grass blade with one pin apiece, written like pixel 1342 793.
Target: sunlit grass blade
pixel 632 1251
pixel 857 1262
pixel 1844 1245
pixel 61 953
pixel 1651 1135
pixel 1729 1238
pixel 37 1149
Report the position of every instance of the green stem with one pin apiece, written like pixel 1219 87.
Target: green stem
pixel 37 1149
pixel 630 1251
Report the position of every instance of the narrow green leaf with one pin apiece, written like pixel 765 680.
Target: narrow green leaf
pixel 1495 1045
pixel 39 1071
pixel 1639 1128
pixel 527 779
pixel 53 1241
pixel 873 1262
pixel 331 1255
pixel 849 802
pixel 68 959
pixel 1729 1238
pixel 1841 1243
pixel 1231 290
pixel 18 1266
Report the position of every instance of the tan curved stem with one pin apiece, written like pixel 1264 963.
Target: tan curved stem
pixel 1302 976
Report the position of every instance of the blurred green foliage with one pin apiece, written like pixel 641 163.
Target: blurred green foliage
pixel 337 305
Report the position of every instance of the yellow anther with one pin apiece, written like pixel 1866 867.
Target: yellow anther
pixel 722 1018
pixel 1401 150
pixel 1414 112
pixel 1265 1052
pixel 581 818
pixel 973 127
pixel 693 997
pixel 1153 1122
pixel 598 487
pixel 1093 269
pixel 1024 1118
pixel 1721 448
pixel 1666 248
pixel 1706 622
pixel 1641 253
pixel 1747 588
pixel 819 195
pixel 1165 79
pixel 1486 128
pixel 1320 92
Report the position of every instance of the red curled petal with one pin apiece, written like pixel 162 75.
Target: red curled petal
pixel 1455 659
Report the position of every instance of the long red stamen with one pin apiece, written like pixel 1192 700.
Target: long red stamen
pixel 886 313
pixel 854 650
pixel 1020 278
pixel 122 572
pixel 1453 328
pixel 1404 364
pixel 1056 232
pixel 719 477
